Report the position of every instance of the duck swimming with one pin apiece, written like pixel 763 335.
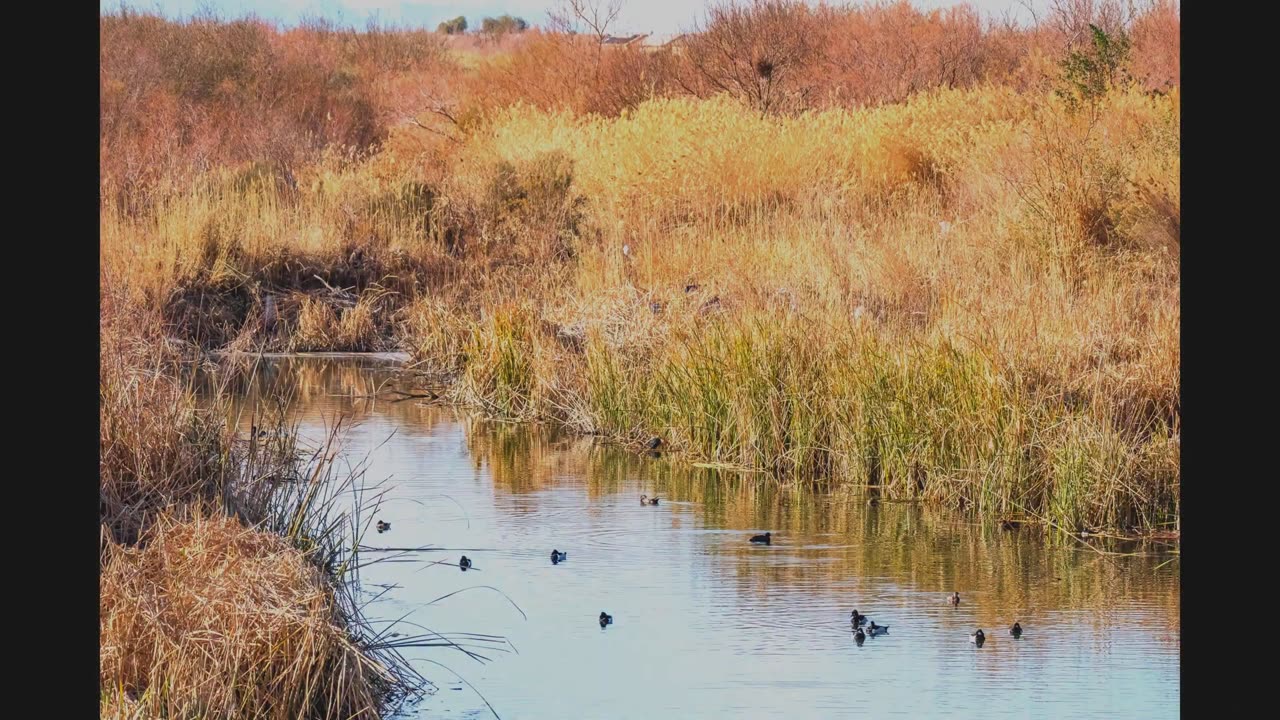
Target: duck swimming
pixel 605 619
pixel 953 599
pixel 765 538
pixel 1016 631
pixel 858 619
pixel 873 629
pixel 465 563
pixel 383 526
pixel 646 500
pixel 859 636
pixel 558 557
pixel 978 638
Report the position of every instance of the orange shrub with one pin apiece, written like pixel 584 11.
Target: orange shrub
pixel 1157 52
pixel 553 71
pixel 178 98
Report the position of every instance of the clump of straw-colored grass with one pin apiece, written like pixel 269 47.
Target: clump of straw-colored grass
pixel 211 618
pixel 157 449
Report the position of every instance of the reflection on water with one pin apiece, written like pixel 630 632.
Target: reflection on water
pixel 705 623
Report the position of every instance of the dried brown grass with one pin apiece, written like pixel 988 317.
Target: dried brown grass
pixel 209 618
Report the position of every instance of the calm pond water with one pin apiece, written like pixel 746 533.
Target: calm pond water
pixel 705 623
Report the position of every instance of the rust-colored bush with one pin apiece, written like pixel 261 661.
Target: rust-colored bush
pixel 178 98
pixel 887 52
pixel 1157 53
pixel 763 53
pixel 573 72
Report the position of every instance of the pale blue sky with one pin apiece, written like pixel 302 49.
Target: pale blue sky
pixel 660 16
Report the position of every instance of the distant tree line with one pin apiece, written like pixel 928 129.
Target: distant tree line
pixel 500 25
pixel 503 24
pixel 456 26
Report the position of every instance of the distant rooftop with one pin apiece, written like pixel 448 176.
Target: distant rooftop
pixel 621 39
pixel 662 39
pixel 647 40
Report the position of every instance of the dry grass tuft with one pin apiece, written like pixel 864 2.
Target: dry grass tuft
pixel 210 618
pixel 156 449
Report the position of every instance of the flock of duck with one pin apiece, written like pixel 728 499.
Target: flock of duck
pixel 861 621
pixel 863 627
